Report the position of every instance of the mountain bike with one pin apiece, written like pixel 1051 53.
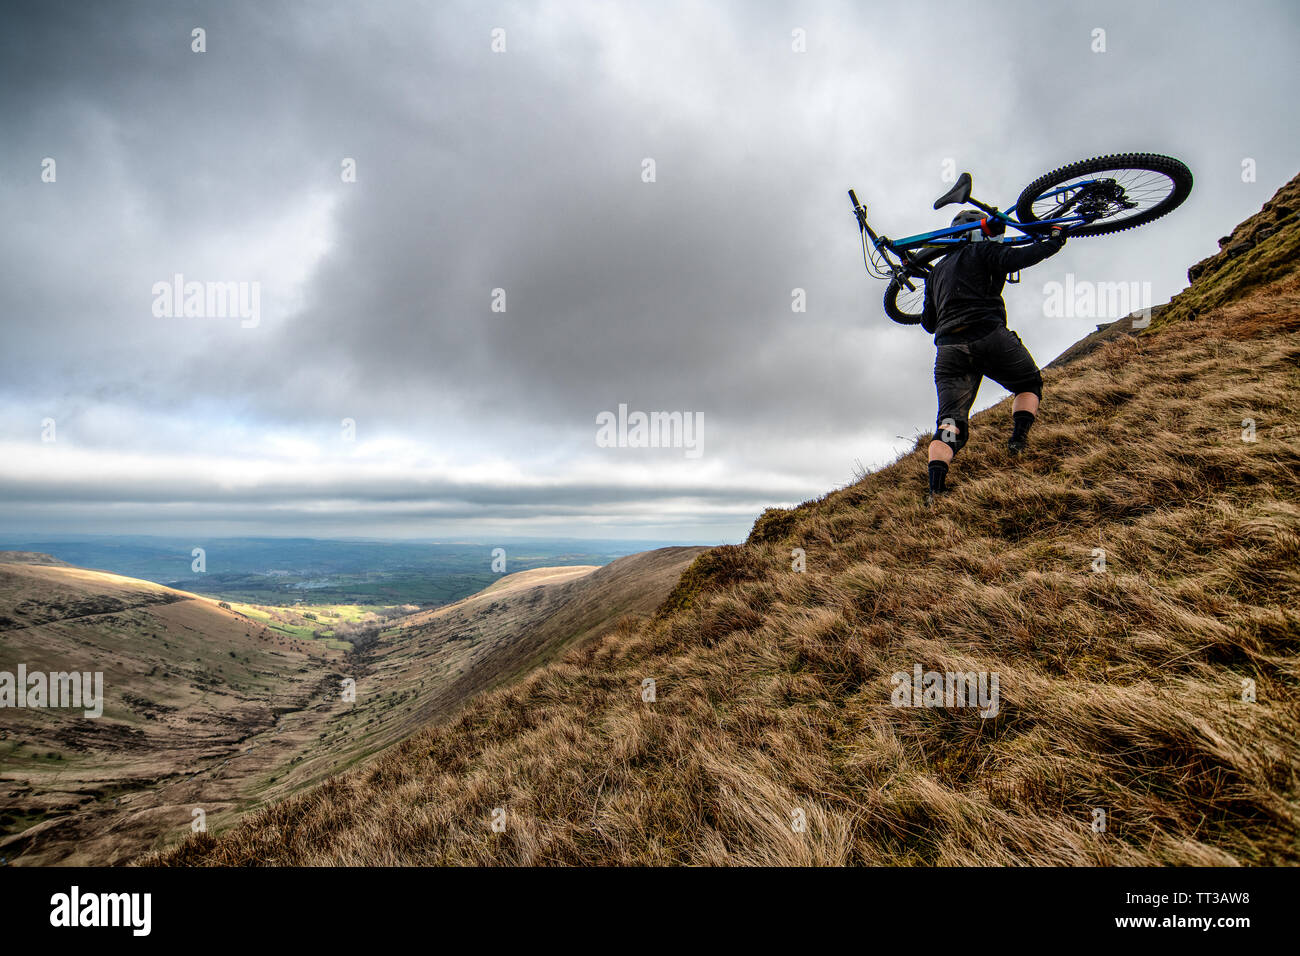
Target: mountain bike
pixel 1094 197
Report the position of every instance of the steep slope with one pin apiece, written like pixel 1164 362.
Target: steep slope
pixel 515 625
pixel 1261 250
pixel 1132 582
pixel 426 666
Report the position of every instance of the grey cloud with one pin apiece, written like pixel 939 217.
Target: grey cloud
pixel 521 171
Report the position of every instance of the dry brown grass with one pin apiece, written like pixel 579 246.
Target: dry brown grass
pixel 1120 691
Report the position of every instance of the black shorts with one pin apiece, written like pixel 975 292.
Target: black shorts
pixel 959 368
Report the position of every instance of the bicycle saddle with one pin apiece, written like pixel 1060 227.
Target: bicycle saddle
pixel 958 193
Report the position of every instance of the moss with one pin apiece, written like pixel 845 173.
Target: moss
pixel 772 525
pixel 713 570
pixel 1266 262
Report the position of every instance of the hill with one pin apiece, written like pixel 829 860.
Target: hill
pixel 185 683
pixel 221 707
pixel 1132 583
pixel 30 557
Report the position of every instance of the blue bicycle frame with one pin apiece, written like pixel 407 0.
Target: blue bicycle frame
pixel 909 266
pixel 950 235
pixel 954 234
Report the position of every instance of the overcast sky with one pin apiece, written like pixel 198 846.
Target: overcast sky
pixel 524 170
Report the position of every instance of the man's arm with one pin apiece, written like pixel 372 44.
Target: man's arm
pixel 1014 258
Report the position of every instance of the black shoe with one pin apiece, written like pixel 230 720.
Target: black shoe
pixel 1016 446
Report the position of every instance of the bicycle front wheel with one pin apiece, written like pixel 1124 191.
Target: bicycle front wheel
pixel 1112 193
pixel 905 305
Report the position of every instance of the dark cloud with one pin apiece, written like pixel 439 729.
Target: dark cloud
pixel 522 171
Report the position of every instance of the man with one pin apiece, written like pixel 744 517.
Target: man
pixel 965 314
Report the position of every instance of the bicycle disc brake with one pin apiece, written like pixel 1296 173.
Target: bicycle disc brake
pixel 1100 199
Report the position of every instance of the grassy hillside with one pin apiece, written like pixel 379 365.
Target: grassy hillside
pixel 1121 689
pixel 223 706
pixel 427 665
pixel 186 684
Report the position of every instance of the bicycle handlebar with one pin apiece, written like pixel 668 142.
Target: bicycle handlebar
pixel 858 210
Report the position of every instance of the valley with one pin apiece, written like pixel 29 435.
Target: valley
pixel 214 707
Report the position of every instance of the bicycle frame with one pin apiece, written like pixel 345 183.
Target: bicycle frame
pixel 953 235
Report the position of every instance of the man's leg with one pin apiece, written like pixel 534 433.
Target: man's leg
pixel 1025 402
pixel 1024 409
pixel 1008 362
pixel 956 385
pixel 941 451
pixel 940 457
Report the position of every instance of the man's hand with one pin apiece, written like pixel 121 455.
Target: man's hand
pixel 1058 233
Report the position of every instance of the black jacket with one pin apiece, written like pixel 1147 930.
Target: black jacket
pixel 964 288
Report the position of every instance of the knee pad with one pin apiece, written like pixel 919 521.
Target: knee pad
pixel 953 434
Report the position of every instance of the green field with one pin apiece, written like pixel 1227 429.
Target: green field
pixel 338 626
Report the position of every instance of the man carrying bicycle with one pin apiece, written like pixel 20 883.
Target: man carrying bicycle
pixel 961 304
pixel 965 313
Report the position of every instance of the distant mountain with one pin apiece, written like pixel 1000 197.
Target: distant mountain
pixel 287 571
pixel 30 557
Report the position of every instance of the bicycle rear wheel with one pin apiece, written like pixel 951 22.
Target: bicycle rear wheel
pixel 1116 192
pixel 905 305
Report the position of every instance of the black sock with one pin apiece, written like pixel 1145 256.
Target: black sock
pixel 938 472
pixel 1022 420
